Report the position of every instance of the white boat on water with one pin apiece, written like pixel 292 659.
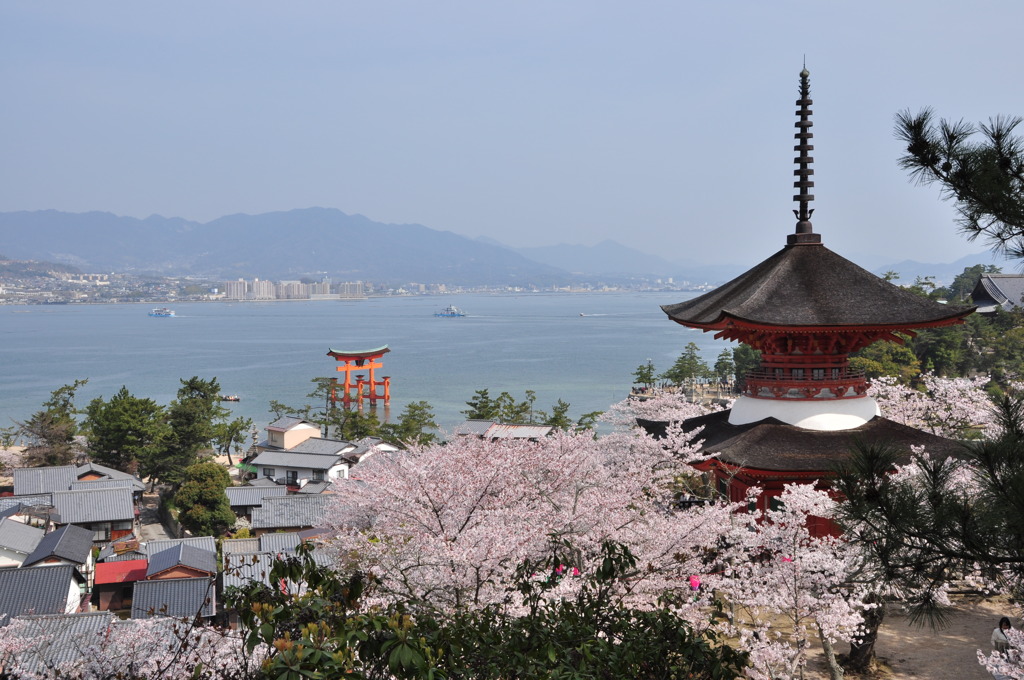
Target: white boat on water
pixel 450 311
pixel 161 311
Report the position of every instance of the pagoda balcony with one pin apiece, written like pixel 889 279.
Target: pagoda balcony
pixel 809 383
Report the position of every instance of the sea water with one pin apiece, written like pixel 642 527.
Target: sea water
pixel 582 348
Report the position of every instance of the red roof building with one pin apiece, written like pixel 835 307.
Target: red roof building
pixel 115 581
pixel 806 309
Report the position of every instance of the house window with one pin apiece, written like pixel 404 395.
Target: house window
pixel 293 476
pixel 268 472
pixel 318 475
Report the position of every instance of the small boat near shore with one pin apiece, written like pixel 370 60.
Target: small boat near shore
pixel 450 311
pixel 230 397
pixel 161 311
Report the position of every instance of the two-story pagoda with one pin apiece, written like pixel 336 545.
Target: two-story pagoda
pixel 806 309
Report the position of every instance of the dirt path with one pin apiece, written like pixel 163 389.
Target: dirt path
pixel 909 652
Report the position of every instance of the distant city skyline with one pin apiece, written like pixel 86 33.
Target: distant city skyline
pixel 665 126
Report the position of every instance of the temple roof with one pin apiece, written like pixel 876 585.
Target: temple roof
pixel 808 285
pixel 772 445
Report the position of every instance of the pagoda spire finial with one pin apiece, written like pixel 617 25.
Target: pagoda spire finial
pixel 804 230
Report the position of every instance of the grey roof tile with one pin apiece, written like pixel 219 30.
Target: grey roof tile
pixel 204 542
pixel 287 459
pixel 289 512
pixel 35 590
pixel 111 473
pixel 240 545
pixel 18 537
pixel 263 481
pixel 280 543
pixel 70 542
pixel 286 423
pixel 124 548
pixel 43 479
pixel 60 639
pixel 316 487
pixel 243 496
pixel 240 569
pixel 177 597
pixel 32 500
pixel 102 484
pixel 473 427
pixel 182 555
pixel 323 447
pixel 98 505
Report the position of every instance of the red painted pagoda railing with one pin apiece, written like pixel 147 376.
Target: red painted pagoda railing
pixel 806 383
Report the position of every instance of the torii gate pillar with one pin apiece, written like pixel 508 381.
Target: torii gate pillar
pixel 360 389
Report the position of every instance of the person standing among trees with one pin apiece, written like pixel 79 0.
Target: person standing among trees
pixel 999 640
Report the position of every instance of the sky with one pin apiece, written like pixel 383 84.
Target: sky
pixel 664 126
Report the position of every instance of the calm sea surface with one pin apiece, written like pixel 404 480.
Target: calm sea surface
pixel 264 351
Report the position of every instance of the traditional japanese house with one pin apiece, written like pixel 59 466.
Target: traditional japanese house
pixel 806 309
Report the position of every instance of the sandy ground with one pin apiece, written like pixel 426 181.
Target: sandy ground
pixel 949 653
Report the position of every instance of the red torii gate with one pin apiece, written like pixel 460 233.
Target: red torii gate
pixel 360 389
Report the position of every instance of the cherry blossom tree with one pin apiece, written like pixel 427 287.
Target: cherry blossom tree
pixel 957 408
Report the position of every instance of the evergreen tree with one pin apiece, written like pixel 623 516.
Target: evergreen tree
pixel 645 375
pixel 50 433
pixel 688 367
pixel 192 419
pixel 123 431
pixel 203 507
pixel 984 178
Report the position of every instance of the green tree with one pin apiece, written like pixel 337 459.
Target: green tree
pixel 645 375
pixel 725 366
pixel 688 367
pixel 203 507
pixel 747 359
pixel 415 425
pixel 983 177
pixel 963 284
pixel 50 433
pixel 231 434
pixel 192 419
pixel 123 431
pixel 889 359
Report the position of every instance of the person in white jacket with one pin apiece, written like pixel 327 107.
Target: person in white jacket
pixel 999 640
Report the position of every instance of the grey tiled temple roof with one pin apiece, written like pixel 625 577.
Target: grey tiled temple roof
pixel 252 495
pixel 98 505
pixel 204 542
pixel 18 537
pixel 182 555
pixel 70 542
pixel 809 285
pixel 60 639
pixel 39 480
pixel 772 445
pixel 289 512
pixel 35 590
pixel 176 597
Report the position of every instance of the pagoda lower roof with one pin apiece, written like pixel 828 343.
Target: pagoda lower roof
pixel 358 353
pixel 808 285
pixel 772 445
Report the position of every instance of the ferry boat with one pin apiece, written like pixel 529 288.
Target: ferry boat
pixel 450 311
pixel 161 311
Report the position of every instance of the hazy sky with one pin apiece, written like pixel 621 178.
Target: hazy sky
pixel 663 125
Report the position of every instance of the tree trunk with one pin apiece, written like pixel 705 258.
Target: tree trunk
pixel 862 653
pixel 835 671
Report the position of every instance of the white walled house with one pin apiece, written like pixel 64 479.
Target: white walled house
pixel 17 542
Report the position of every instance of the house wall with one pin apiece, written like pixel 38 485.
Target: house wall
pixel 294 436
pixel 75 592
pixel 178 572
pixel 9 558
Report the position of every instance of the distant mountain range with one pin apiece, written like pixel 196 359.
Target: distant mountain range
pixel 313 243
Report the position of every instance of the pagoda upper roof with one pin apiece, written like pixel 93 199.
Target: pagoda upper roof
pixel 772 445
pixel 808 285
